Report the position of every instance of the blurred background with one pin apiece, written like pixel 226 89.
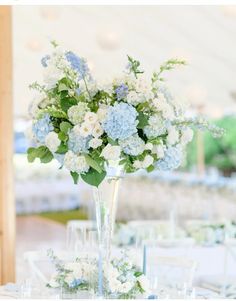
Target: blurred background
pixel 204 188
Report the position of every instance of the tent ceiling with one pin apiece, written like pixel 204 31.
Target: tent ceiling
pixel 204 35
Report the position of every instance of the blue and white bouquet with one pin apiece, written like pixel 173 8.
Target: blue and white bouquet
pixel 86 126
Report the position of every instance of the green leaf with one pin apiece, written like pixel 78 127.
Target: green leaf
pixel 67 102
pixel 142 120
pixel 93 163
pixel 150 168
pixel 62 87
pixel 75 176
pixel 31 154
pixel 65 127
pixel 111 141
pixel 62 149
pixel 137 274
pixel 92 177
pixel 62 136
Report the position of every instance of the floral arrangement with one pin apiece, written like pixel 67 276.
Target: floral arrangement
pixel 86 126
pixel 122 278
pixel 73 276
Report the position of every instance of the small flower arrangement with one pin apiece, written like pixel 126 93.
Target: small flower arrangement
pixel 86 126
pixel 124 279
pixel 73 277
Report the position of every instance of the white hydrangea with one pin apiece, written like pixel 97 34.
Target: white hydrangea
pixel 95 142
pixel 173 136
pixel 97 130
pixel 90 117
pixel 52 141
pixel 52 74
pixel 134 98
pixel 76 113
pixel 111 152
pixel 34 104
pixel 186 136
pixel 75 163
pixel 137 164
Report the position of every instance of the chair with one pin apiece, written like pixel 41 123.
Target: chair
pixel 76 233
pixel 170 271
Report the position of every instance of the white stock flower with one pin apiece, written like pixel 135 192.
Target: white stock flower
pixel 52 141
pixel 148 160
pixel 95 142
pixel 86 129
pixel 173 136
pixel 97 130
pixel 111 152
pixel 186 136
pixel 52 75
pixel 90 117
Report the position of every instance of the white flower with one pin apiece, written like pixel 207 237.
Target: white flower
pixel 97 130
pixel 148 160
pixel 164 107
pixel 90 117
pixel 125 287
pixel 52 141
pixel 76 113
pixel 69 278
pixel 53 281
pixel 149 146
pixel 144 283
pixel 86 129
pixel 95 142
pixel 52 75
pixel 75 163
pixel 187 136
pixel 111 152
pixel 34 104
pixel 168 112
pixel 133 98
pixel 114 284
pixel 137 164
pixel 102 113
pixel 159 150
pixel 173 136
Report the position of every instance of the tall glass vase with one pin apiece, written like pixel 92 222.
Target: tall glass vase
pixel 106 197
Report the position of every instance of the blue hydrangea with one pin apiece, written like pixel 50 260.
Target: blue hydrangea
pixel 156 126
pixel 78 144
pixel 42 127
pixel 121 91
pixel 172 160
pixel 59 158
pixel 75 283
pixel 120 122
pixel 133 145
pixel 78 64
pixel 44 60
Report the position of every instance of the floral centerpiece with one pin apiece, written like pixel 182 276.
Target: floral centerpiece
pixel 85 126
pixel 122 279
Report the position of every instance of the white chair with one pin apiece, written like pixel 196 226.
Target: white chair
pixel 171 271
pixel 76 233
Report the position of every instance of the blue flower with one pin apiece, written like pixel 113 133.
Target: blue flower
pixel 133 145
pixel 59 158
pixel 78 144
pixel 172 160
pixel 44 60
pixel 42 127
pixel 78 64
pixel 120 122
pixel 121 91
pixel 75 283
